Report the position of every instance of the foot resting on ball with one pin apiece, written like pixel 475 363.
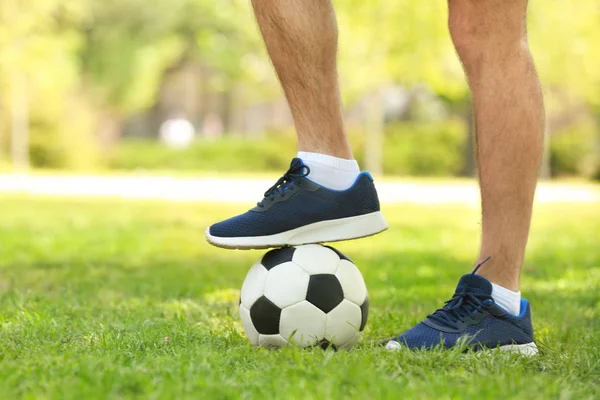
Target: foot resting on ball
pixel 298 211
pixel 472 318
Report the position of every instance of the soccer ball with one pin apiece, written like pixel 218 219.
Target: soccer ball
pixel 305 295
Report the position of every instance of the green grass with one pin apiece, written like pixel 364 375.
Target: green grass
pixel 124 299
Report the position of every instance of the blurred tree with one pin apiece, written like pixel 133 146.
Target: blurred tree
pixel 407 43
pixel 38 39
pixel 565 41
pixel 85 67
pixel 130 46
pixel 401 42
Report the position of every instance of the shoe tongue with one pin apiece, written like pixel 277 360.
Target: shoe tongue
pixel 474 283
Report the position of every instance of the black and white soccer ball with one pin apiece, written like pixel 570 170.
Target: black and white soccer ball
pixel 306 295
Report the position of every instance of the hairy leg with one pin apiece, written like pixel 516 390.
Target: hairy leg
pixel 490 37
pixel 301 37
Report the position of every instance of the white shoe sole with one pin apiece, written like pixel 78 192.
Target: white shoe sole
pixel 318 232
pixel 527 349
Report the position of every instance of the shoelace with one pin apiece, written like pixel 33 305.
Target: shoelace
pixel 462 305
pixel 296 171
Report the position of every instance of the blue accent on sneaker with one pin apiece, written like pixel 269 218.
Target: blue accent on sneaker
pixel 471 314
pixel 523 308
pixel 295 201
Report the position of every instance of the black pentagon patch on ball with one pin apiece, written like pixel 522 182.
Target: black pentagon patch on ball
pixel 277 256
pixel 326 344
pixel 265 316
pixel 364 311
pixel 324 292
pixel 341 255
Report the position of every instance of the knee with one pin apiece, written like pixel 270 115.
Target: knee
pixel 486 27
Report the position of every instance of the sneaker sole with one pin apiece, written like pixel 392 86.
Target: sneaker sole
pixel 527 349
pixel 319 232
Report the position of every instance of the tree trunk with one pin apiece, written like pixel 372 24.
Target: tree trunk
pixel 546 169
pixel 469 166
pixel 110 128
pixel 226 111
pixel 374 126
pixel 19 109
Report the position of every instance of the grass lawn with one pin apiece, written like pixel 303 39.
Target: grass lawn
pixel 105 298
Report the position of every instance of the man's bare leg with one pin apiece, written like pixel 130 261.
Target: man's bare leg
pixel 491 40
pixel 324 196
pixel 301 37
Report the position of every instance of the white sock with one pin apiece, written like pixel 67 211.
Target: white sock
pixel 331 172
pixel 507 299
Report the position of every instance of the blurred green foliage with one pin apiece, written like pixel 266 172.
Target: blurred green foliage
pixel 575 151
pixel 225 155
pixel 410 149
pixel 92 66
pixel 418 149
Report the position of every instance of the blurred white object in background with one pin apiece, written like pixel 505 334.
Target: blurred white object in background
pixel 177 132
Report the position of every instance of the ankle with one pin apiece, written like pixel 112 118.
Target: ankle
pixel 500 271
pixel 329 171
pixel 342 150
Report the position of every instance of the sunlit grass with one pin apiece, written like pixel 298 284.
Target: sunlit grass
pixel 124 299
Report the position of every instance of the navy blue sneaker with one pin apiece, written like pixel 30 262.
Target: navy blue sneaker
pixel 298 211
pixel 472 318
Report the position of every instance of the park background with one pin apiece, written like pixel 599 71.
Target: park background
pixel 86 85
pixel 108 288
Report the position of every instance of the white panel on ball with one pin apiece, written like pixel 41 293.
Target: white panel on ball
pixel 254 285
pixel 343 323
pixel 305 321
pixel 352 282
pixel 272 341
pixel 351 342
pixel 248 327
pixel 316 259
pixel 286 284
